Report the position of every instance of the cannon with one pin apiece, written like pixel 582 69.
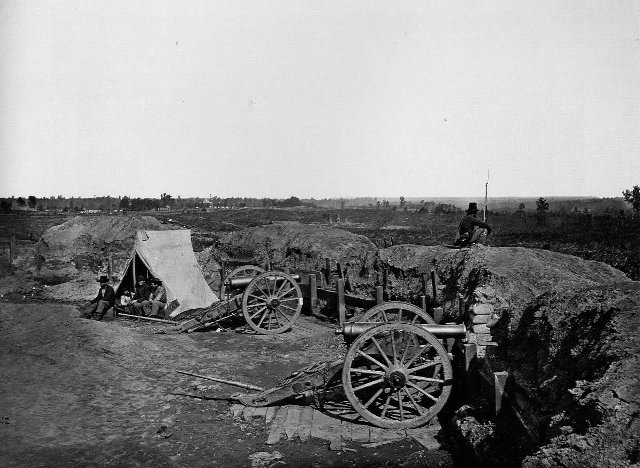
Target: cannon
pixel 270 301
pixel 396 373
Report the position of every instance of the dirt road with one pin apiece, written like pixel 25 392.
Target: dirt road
pixel 76 392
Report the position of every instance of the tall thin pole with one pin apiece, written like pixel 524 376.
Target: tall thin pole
pixel 486 189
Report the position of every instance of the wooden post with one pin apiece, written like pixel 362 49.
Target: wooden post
pixel 499 382
pixel 461 306
pixel 437 314
pixel 327 271
pixel 470 360
pixel 12 248
pixel 425 284
pixel 423 303
pixel 385 281
pixel 313 292
pixel 110 267
pixel 379 295
pixel 133 272
pixel 342 310
pixel 434 287
pixel 340 272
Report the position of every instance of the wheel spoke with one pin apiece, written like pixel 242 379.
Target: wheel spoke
pixel 423 366
pixel 264 294
pixel 426 379
pixel 384 355
pixel 373 398
pixel 428 395
pixel 408 340
pixel 262 319
pixel 422 350
pixel 399 314
pixel 259 298
pixel 275 315
pixel 259 311
pixel 287 307
pixel 280 288
pixel 283 314
pixel 285 293
pixel 384 316
pixel 393 348
pixel 366 371
pixel 400 406
pixel 413 401
pixel 386 406
pixel 375 361
pixel 368 384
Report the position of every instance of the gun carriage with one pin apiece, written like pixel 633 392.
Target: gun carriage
pixel 396 374
pixel 270 301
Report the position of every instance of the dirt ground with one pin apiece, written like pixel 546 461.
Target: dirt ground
pixel 77 392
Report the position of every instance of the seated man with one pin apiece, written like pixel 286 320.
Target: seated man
pixel 136 306
pixel 471 229
pixel 157 301
pixel 102 302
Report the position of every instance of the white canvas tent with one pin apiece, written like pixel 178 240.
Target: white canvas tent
pixel 168 255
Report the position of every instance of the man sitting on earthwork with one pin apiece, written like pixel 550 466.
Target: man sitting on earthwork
pixel 101 303
pixel 471 230
pixel 157 301
pixel 142 293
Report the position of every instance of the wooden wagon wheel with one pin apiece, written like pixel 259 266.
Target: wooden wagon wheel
pixel 396 312
pixel 272 302
pixel 397 376
pixel 244 270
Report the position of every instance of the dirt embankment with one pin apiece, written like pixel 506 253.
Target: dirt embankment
pixel 65 262
pixel 298 246
pixel 568 337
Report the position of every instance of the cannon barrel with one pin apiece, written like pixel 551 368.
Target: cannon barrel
pixel 241 282
pixel 352 330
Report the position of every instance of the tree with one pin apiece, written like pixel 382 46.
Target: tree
pixel 541 210
pixel 31 201
pixel 342 203
pixel 125 203
pixel 632 197
pixel 21 201
pixel 166 199
pixel 378 203
pixel 521 210
pixel 402 201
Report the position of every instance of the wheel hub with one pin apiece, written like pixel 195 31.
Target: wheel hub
pixel 273 302
pixel 396 379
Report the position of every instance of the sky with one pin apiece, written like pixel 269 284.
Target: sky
pixel 319 98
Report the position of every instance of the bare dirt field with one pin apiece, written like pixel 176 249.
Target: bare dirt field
pixel 77 392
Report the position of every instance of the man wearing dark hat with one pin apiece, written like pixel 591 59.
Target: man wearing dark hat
pixel 102 302
pixel 158 299
pixel 471 229
pixel 141 294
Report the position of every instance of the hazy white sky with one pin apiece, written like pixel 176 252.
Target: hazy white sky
pixel 319 98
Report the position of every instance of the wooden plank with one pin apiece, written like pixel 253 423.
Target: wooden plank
pixel 292 422
pixel 360 432
pixel 306 421
pixel 377 434
pixel 236 410
pixel 277 427
pixel 327 428
pixel 260 412
pixel 270 414
pixel 248 413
